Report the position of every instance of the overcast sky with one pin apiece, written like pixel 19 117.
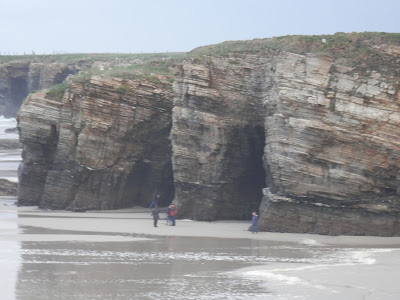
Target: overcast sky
pixel 45 26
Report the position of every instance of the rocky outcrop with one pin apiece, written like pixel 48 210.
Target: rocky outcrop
pixel 104 145
pixel 331 151
pixel 19 77
pixel 303 129
pixel 218 136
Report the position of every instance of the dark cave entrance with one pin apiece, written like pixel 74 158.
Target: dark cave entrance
pixel 145 181
pixel 244 194
pixel 18 90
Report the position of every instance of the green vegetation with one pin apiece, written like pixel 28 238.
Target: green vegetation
pixel 85 76
pixel 106 57
pixel 57 91
pixel 148 71
pixel 122 89
pixel 360 51
pixel 337 44
pixel 160 67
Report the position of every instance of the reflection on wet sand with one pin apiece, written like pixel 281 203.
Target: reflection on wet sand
pixel 120 255
pixel 144 269
pixel 10 259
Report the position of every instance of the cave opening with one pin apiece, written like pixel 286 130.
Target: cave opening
pixel 243 194
pixel 254 177
pixel 18 90
pixel 145 182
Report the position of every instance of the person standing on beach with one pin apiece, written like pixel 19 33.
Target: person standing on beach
pixel 172 213
pixel 254 221
pixel 155 214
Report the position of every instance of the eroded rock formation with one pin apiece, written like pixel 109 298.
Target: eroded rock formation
pixel 304 130
pixel 104 145
pixel 19 77
pixel 218 136
pixel 332 149
pixel 331 156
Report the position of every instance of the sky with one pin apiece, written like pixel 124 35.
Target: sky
pixel 135 26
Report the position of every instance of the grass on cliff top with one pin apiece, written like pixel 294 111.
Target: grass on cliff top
pixel 147 70
pixel 338 44
pixel 57 91
pixel 71 58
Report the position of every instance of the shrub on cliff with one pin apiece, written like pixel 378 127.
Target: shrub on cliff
pixel 57 91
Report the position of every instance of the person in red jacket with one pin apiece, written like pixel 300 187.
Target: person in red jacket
pixel 172 210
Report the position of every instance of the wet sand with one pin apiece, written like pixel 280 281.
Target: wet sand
pixel 120 255
pixel 138 221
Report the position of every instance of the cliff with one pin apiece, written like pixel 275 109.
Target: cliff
pixel 92 149
pixel 20 75
pixel 303 129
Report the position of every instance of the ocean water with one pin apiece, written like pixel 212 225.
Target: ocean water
pixel 7 124
pixel 10 158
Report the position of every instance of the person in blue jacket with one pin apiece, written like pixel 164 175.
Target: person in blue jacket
pixel 154 202
pixel 254 221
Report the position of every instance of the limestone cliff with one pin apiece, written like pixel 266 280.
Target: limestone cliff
pixel 304 129
pixel 104 145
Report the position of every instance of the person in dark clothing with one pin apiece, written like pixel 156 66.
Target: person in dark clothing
pixel 155 214
pixel 254 221
pixel 154 202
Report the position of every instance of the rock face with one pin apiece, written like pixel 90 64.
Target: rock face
pixel 308 138
pixel 329 131
pixel 218 136
pixel 104 145
pixel 19 77
pixel 23 75
pixel 332 149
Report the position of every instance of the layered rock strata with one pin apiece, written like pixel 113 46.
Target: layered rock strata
pixel 104 145
pixel 218 136
pixel 19 77
pixel 309 139
pixel 331 156
pixel 332 149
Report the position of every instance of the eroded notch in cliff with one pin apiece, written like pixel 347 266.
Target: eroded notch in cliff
pixel 18 90
pixel 145 181
pixel 243 194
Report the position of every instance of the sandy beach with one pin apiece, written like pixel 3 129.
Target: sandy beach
pixel 118 254
pixel 138 221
